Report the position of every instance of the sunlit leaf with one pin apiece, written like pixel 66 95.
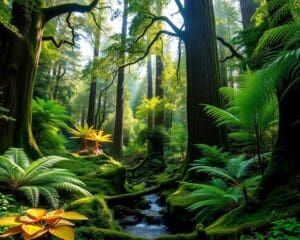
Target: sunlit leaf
pixel 36 213
pixel 63 222
pixel 32 229
pixel 35 236
pixel 64 232
pixel 11 232
pixel 74 216
pixel 8 221
pixel 27 219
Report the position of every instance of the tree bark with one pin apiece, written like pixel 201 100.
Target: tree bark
pixel 158 144
pixel 248 8
pixel 203 78
pixel 93 84
pixel 118 130
pixel 18 68
pixel 149 91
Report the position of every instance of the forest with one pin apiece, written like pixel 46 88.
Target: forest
pixel 150 119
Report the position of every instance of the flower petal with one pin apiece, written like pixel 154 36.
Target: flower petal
pixel 28 237
pixel 74 216
pixel 36 213
pixel 7 221
pixel 32 229
pixel 12 231
pixel 27 219
pixel 63 232
pixel 54 214
pixel 63 222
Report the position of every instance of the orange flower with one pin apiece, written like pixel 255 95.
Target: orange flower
pixel 37 222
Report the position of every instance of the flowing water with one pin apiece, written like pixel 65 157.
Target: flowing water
pixel 152 225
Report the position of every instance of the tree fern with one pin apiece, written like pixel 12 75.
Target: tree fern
pixel 38 178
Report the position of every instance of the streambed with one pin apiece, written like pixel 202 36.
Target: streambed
pixel 152 225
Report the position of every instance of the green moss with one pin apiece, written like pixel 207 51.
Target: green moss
pixel 101 173
pixel 96 209
pixel 187 236
pixel 280 203
pixel 86 233
pixel 177 204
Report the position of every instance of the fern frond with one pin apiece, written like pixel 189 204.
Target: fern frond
pixel 221 116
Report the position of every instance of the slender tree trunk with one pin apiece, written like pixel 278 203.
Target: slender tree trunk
pixel 118 130
pixel 149 90
pixel 59 75
pixel 93 84
pixel 158 144
pixel 159 91
pixel 248 8
pixel 203 78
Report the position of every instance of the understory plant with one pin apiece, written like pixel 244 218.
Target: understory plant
pixel 34 179
pixel 232 184
pixel 86 133
pixel 247 123
pixel 49 120
pixel 38 223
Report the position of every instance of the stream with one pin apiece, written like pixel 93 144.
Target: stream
pixel 152 225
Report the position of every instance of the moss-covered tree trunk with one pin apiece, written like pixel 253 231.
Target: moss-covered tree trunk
pixel 19 64
pixel 17 78
pixel 203 78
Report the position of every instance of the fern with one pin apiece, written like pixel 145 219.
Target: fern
pixel 38 178
pixel 213 199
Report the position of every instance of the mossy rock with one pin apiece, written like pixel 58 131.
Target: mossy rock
pixel 96 209
pixel 101 173
pixel 87 233
pixel 179 219
pixel 109 179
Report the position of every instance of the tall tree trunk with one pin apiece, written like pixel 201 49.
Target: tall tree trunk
pixel 93 84
pixel 203 78
pixel 59 75
pixel 118 130
pixel 159 91
pixel 158 144
pixel 149 90
pixel 248 8
pixel 17 79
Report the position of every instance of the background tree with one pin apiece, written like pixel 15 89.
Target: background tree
pixel 21 58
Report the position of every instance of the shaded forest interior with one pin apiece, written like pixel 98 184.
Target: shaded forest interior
pixel 153 119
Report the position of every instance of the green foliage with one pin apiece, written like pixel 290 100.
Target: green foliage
pixel 212 156
pixel 213 199
pixel 38 178
pixel 49 119
pixel 178 138
pixel 288 228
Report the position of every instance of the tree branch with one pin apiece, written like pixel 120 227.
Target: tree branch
pixel 58 44
pixel 55 11
pixel 234 53
pixel 180 8
pixel 149 47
